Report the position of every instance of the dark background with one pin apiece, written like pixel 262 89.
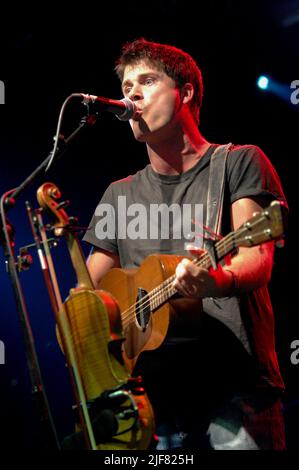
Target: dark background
pixel 47 55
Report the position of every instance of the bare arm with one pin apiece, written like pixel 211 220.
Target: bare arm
pixel 99 263
pixel 250 269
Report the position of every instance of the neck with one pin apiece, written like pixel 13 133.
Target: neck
pixel 179 151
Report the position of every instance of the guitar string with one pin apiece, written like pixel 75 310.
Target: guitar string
pixel 204 261
pixel 128 316
pixel 164 289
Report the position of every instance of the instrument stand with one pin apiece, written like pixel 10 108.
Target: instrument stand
pixel 40 402
pixel 7 201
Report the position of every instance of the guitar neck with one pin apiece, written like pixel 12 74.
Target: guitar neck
pixel 165 291
pixel 262 227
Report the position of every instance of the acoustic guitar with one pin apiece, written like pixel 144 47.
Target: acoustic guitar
pixel 149 304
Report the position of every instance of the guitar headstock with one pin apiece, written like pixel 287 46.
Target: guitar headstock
pixel 47 195
pixel 268 224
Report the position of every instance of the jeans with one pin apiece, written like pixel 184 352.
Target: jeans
pixel 243 423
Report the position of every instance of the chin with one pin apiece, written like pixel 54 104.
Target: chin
pixel 140 137
pixel 140 131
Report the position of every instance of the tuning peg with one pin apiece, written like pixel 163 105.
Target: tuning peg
pixel 63 204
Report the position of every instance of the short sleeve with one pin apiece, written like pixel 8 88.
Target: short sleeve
pixel 251 174
pixel 101 232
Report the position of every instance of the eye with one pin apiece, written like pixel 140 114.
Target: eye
pixel 127 89
pixel 149 81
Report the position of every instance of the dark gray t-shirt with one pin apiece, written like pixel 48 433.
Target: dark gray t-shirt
pixel 139 215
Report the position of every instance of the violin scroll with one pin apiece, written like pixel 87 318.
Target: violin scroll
pixel 48 196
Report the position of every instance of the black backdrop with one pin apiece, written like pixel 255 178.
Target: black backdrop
pixel 47 55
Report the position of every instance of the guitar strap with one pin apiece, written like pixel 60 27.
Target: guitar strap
pixel 216 187
pixel 224 309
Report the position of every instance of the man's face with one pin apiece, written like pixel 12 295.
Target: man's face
pixel 155 95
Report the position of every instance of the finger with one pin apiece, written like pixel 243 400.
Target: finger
pixel 180 271
pixel 186 287
pixel 186 270
pixel 189 270
pixel 180 287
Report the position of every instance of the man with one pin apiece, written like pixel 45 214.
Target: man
pixel 221 389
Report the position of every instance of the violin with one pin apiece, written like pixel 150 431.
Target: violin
pixel 89 331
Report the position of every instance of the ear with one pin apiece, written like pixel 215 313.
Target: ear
pixel 187 93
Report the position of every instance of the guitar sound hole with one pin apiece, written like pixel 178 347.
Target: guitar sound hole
pixel 143 310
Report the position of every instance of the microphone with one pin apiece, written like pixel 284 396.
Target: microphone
pixel 123 109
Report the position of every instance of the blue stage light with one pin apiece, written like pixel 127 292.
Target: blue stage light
pixel 263 82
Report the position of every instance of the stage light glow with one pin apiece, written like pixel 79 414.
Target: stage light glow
pixel 263 82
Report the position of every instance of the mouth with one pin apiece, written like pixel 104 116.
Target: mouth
pixel 137 115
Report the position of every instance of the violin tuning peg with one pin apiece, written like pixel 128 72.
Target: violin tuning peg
pixel 63 204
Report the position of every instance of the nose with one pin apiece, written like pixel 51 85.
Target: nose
pixel 135 93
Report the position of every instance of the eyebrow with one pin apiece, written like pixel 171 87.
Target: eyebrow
pixel 140 76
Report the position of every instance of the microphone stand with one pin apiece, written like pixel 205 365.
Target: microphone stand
pixel 86 121
pixel 7 201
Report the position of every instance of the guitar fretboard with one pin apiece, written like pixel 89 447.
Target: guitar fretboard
pixel 165 291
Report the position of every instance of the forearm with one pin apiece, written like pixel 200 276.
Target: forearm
pixel 251 268
pixel 99 263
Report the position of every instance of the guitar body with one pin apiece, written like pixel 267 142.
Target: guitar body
pixel 146 328
pixel 96 334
